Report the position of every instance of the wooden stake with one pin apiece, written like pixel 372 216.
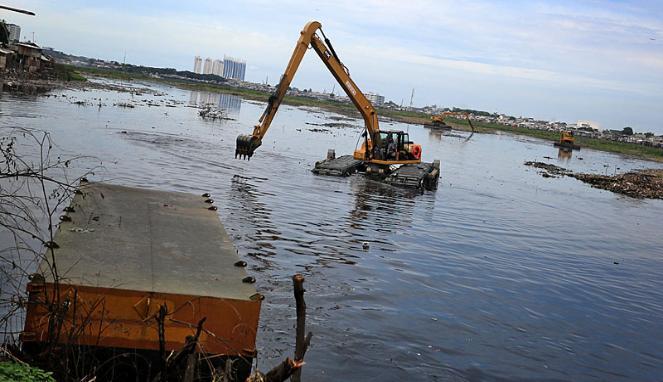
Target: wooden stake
pixel 302 340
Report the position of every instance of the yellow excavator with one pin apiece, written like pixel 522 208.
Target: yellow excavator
pixel 567 141
pixel 388 154
pixel 437 121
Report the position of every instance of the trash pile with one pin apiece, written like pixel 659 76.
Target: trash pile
pixel 209 113
pixel 549 170
pixel 636 184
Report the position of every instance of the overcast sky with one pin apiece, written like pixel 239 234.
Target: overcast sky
pixel 557 60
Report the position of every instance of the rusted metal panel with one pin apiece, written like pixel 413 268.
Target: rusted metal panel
pixel 123 318
pixel 122 253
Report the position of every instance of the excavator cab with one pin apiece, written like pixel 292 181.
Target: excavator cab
pixel 395 146
pixel 389 148
pixel 567 137
pixel 567 141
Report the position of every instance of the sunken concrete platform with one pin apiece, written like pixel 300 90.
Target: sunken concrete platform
pixel 123 253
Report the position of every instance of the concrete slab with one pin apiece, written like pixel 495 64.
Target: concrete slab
pixel 145 240
pixel 124 253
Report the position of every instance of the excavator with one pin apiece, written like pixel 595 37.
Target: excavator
pixel 437 121
pixel 567 141
pixel 389 155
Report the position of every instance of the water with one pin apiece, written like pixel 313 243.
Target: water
pixel 500 274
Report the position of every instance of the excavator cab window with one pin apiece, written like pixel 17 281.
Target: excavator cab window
pixel 393 145
pixel 404 142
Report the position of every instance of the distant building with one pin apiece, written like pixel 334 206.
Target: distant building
pixel 29 57
pixel 207 68
pixel 588 125
pixel 6 58
pixel 217 67
pixel 197 65
pixel 234 68
pixel 375 99
pixel 14 32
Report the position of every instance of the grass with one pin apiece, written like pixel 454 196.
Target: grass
pixel 412 117
pixel 68 73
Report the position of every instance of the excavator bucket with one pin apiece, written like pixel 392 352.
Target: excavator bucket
pixel 246 145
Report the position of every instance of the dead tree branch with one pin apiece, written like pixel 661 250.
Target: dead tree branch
pixel 302 340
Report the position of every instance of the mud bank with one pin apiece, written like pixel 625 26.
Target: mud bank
pixel 42 86
pixel 636 184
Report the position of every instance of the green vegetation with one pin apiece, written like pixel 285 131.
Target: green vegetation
pixel 624 148
pixel 109 73
pixel 413 117
pixel 20 372
pixel 67 73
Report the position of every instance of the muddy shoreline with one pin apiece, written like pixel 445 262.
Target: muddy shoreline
pixel 27 86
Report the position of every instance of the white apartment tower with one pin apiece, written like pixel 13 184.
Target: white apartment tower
pixel 207 68
pixel 197 65
pixel 217 68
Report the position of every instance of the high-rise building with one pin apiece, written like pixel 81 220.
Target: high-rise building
pixel 207 68
pixel 234 68
pixel 14 32
pixel 375 99
pixel 197 65
pixel 217 67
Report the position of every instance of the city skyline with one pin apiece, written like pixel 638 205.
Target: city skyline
pixel 229 67
pixel 550 60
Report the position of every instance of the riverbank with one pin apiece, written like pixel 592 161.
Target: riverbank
pixel 411 117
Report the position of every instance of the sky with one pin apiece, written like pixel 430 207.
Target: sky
pixel 599 61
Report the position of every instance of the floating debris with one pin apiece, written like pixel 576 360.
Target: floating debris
pixel 125 104
pixel 636 184
pixel 549 170
pixel 209 113
pixel 336 125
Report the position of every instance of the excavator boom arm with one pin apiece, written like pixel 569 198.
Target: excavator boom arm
pixel 246 144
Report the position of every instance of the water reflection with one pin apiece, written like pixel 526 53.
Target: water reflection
pixel 228 102
pixel 254 213
pixel 435 135
pixel 381 207
pixel 564 154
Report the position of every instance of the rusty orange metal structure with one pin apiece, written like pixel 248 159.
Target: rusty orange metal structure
pixel 120 318
pixel 123 253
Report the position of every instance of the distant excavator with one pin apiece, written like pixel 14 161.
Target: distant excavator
pixel 437 121
pixel 389 155
pixel 567 141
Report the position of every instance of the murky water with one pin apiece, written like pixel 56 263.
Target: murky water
pixel 498 275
